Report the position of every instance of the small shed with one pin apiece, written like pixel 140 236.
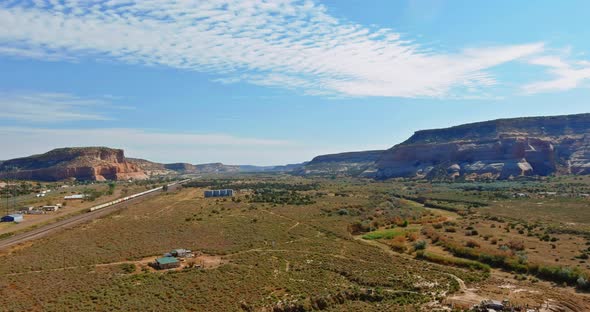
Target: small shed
pixel 181 253
pixel 13 218
pixel 167 263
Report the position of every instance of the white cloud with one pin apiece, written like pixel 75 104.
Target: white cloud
pixel 291 44
pixel 157 145
pixel 566 74
pixel 51 107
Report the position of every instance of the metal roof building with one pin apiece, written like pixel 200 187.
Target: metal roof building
pixel 13 218
pixel 219 193
pixel 167 263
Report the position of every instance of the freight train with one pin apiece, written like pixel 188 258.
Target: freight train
pixel 120 200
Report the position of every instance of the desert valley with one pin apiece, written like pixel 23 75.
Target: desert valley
pixel 294 156
pixel 491 213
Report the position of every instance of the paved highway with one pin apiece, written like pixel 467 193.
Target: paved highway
pixel 72 221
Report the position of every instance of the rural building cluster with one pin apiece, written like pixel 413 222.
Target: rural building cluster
pixel 173 259
pixel 43 193
pixel 31 210
pixel 41 209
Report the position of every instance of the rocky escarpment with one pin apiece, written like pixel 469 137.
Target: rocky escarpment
pixel 351 163
pixel 151 168
pixel 182 167
pixel 84 163
pixel 497 149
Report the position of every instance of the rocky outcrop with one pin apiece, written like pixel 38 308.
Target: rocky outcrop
pixel 351 163
pixel 498 149
pixel 84 163
pixel 182 167
pixel 151 168
pixel 216 168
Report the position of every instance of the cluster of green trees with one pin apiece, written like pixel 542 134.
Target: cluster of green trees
pixel 111 189
pixel 280 197
pixel 92 194
pixel 22 188
pixel 445 204
pixel 462 263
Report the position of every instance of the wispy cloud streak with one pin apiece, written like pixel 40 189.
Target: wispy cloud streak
pixel 51 107
pixel 566 75
pixel 294 44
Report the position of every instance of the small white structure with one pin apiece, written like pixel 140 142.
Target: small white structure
pixel 73 197
pixel 548 193
pixel 181 253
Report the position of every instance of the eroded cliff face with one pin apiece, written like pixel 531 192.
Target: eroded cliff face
pixel 351 163
pixel 86 163
pixel 497 149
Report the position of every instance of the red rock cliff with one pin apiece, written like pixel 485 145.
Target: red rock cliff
pixel 85 163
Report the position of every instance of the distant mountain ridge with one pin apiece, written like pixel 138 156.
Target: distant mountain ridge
pixel 497 149
pixel 279 168
pixel 154 168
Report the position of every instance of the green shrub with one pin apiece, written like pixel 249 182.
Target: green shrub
pixel 463 263
pixel 420 245
pixel 127 267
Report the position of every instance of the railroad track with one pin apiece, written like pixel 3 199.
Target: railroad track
pixel 72 221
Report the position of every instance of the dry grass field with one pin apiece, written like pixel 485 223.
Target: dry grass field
pixel 282 244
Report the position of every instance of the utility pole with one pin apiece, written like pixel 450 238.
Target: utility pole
pixel 7 191
pixel 14 191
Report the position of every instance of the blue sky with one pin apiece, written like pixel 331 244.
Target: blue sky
pixel 274 82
